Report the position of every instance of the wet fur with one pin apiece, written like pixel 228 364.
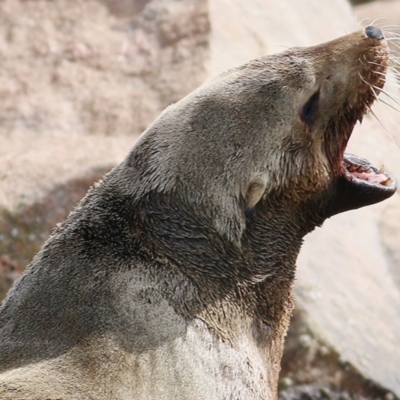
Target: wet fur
pixel 172 278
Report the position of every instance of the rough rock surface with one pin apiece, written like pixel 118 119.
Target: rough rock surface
pixel 78 84
pixel 79 81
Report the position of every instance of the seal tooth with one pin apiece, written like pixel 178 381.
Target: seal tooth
pixel 351 168
pixel 360 168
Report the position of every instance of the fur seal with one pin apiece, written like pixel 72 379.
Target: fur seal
pixel 172 278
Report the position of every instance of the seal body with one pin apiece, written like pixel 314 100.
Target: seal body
pixel 172 278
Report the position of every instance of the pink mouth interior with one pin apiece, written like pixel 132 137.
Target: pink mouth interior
pixel 371 177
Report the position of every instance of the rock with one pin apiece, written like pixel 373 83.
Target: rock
pixel 385 13
pixel 78 85
pixel 246 30
pixel 9 271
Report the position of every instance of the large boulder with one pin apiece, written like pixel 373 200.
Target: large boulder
pixel 79 81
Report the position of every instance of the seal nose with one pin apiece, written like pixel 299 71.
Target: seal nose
pixel 373 32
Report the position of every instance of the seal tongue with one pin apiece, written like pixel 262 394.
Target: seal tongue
pixel 372 177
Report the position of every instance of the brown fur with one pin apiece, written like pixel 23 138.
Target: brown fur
pixel 172 278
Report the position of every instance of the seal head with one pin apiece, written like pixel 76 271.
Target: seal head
pixel 277 126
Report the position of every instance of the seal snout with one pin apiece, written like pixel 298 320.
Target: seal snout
pixel 373 32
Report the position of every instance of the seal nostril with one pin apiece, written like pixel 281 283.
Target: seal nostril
pixel 373 32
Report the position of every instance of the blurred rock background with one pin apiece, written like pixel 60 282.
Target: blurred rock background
pixel 79 81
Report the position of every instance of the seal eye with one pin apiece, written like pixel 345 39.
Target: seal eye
pixel 309 111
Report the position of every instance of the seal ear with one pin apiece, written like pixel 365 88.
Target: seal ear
pixel 254 192
pixel 233 222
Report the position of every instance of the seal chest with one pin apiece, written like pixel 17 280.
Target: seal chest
pixel 172 278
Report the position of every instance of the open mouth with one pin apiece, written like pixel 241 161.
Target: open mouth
pixel 360 184
pixel 361 171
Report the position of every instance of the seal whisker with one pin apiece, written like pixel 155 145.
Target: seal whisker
pixel 392 33
pixel 393 82
pixel 380 57
pixel 369 85
pixel 384 27
pixel 395 57
pixel 391 96
pixel 375 63
pixel 378 119
pixel 393 36
pixel 374 114
pixel 394 52
pixel 381 17
pixel 395 62
pixel 372 87
pixel 391 137
pixel 361 22
pixel 395 44
pixel 381 78
pixel 379 73
pixel 388 104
